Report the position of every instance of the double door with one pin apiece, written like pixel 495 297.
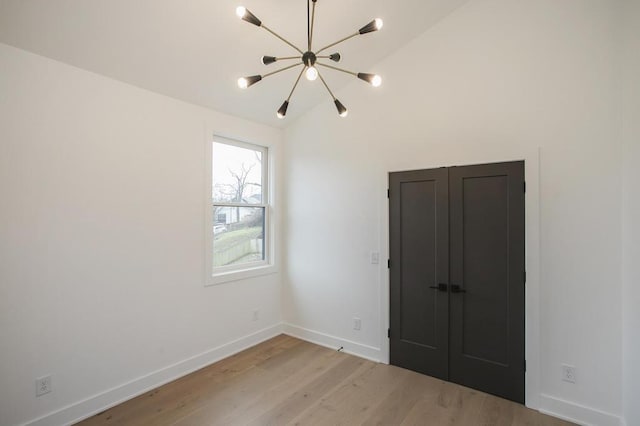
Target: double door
pixel 457 275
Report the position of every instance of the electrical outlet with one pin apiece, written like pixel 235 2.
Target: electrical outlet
pixel 357 324
pixel 256 315
pixel 375 258
pixel 43 385
pixel 568 373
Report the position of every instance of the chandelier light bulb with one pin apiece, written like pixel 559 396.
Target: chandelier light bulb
pixel 283 110
pixel 246 15
pixel 311 74
pixel 373 79
pixel 244 82
pixel 374 25
pixel 342 110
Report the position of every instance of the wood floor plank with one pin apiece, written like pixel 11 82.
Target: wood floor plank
pixel 394 409
pixel 468 405
pixel 306 395
pixel 288 381
pixel 437 405
pixel 246 394
pixel 495 411
pixel 235 380
pixel 354 400
pixel 283 390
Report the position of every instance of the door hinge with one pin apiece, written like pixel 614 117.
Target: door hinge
pixel 524 277
pixel 524 186
pixel 525 365
pixel 388 193
pixel 389 333
pixel 389 263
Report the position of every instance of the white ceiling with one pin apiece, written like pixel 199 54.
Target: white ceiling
pixel 195 50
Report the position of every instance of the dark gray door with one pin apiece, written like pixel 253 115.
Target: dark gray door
pixel 420 264
pixel 480 304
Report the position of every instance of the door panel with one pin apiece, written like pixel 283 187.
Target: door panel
pixel 418 325
pixel 419 243
pixel 485 268
pixel 487 263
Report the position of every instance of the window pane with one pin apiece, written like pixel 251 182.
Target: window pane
pixel 237 174
pixel 240 239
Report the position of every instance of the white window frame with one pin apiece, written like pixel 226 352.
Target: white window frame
pixel 223 274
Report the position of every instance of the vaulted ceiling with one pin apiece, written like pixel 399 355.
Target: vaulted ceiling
pixel 195 50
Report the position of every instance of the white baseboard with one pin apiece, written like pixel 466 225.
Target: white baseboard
pixel 577 413
pixel 353 348
pixel 102 401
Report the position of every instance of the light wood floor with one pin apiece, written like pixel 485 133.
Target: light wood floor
pixel 286 381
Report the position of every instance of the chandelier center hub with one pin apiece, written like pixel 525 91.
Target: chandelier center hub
pixel 309 58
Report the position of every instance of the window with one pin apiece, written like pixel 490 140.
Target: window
pixel 239 202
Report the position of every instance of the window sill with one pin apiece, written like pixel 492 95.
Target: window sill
pixel 225 277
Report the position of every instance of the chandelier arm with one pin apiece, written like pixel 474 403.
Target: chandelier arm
pixel 313 18
pixel 338 69
pixel 296 83
pixel 327 86
pixel 282 69
pixel 287 57
pixel 281 38
pixel 337 42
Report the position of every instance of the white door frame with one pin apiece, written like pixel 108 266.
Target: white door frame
pixel 531 158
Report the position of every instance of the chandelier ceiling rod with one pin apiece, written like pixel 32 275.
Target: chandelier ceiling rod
pixel 309 58
pixel 313 16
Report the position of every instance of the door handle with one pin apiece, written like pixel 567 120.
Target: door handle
pixel 455 288
pixel 440 287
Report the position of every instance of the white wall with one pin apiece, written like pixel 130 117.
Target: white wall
pixel 102 241
pixel 495 78
pixel 630 89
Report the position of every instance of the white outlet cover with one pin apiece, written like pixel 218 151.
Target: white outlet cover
pixel 43 385
pixel 357 324
pixel 375 257
pixel 568 373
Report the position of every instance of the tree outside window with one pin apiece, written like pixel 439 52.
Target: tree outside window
pixel 240 205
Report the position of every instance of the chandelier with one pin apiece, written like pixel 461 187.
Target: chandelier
pixel 309 59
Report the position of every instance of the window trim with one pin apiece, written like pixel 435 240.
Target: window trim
pixel 223 274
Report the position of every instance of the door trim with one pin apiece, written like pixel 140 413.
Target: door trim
pixel 531 158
